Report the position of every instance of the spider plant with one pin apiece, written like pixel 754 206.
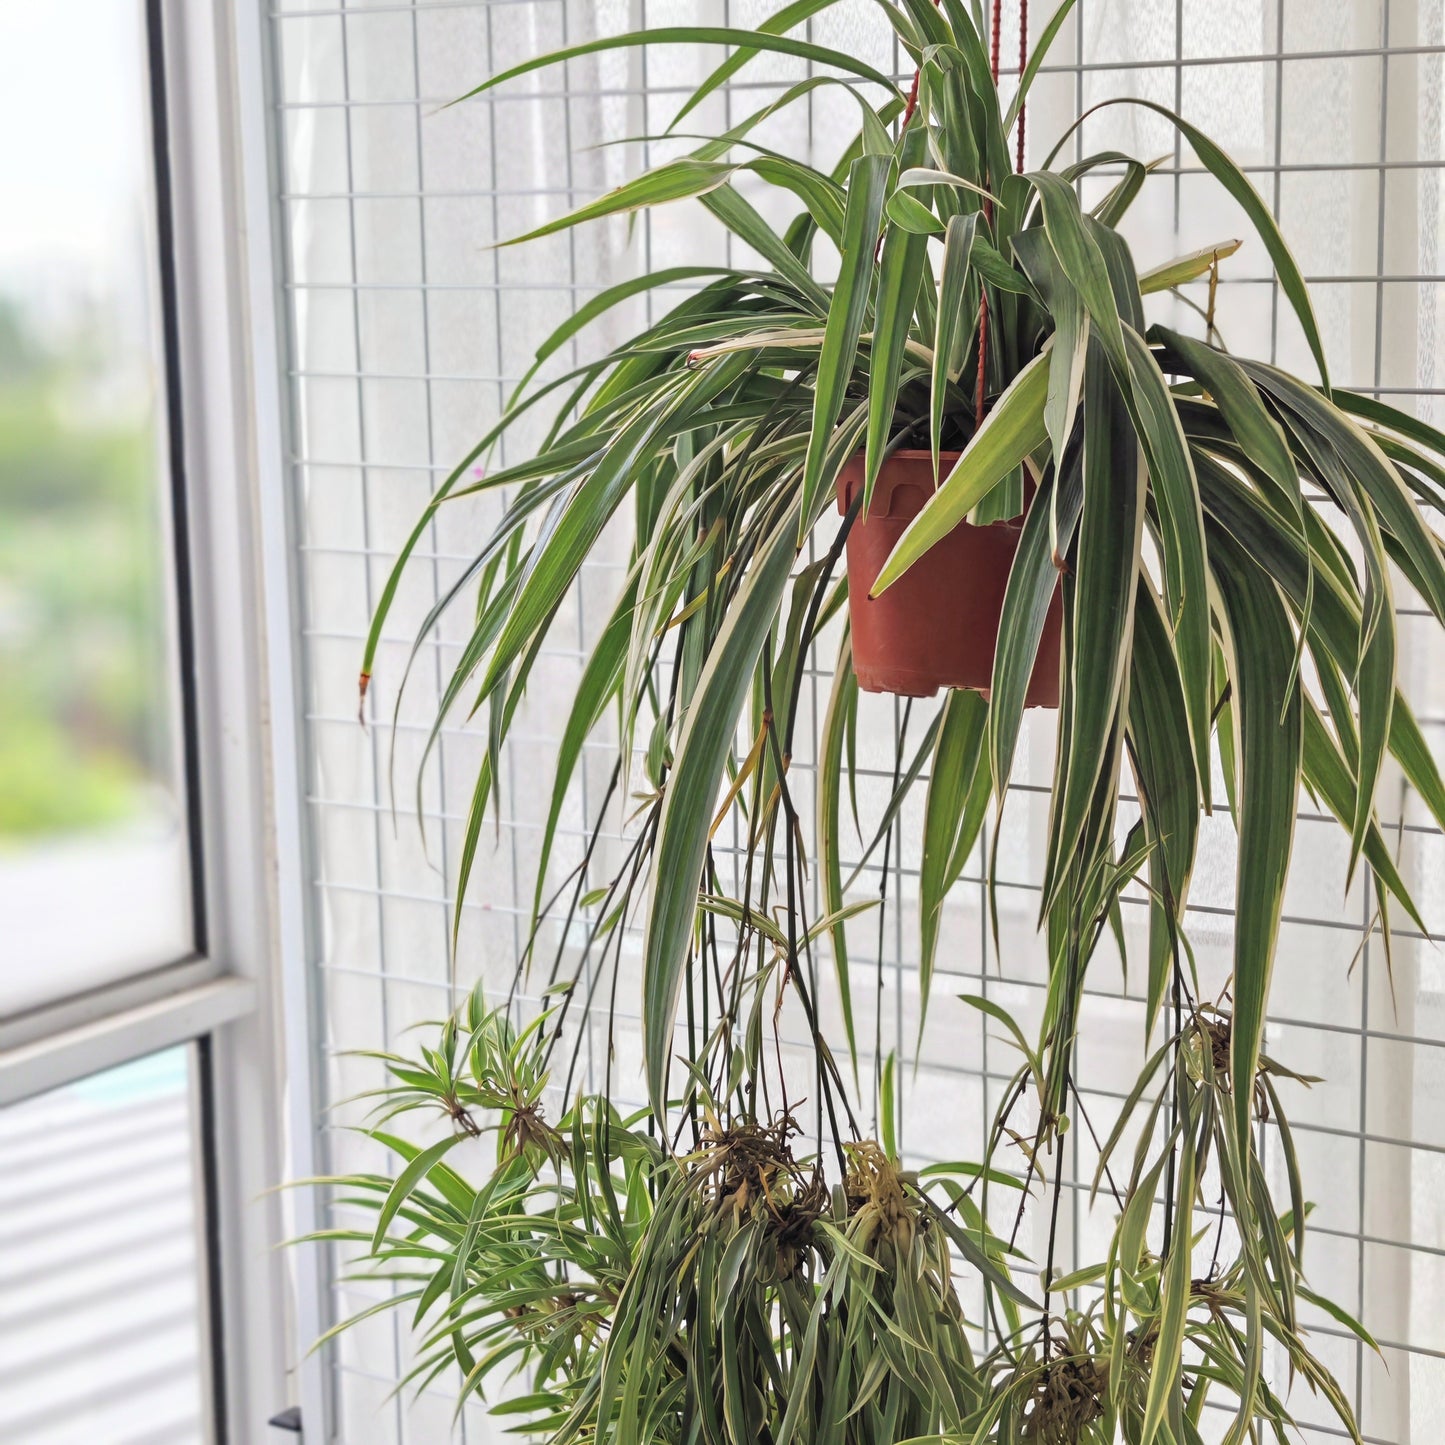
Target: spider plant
pixel 725 1292
pixel 1227 539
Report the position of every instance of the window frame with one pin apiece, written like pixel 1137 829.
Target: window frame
pixel 194 967
pixel 176 1000
pixel 241 996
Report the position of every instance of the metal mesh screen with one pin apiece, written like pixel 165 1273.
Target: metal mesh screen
pixel 406 331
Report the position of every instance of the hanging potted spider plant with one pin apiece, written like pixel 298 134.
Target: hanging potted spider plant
pixel 698 1270
pixel 958 584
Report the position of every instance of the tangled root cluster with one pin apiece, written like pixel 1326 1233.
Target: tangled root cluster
pixel 873 1179
pixel 528 1131
pixel 747 1165
pixel 1217 1033
pixel 1068 1400
pixel 744 1162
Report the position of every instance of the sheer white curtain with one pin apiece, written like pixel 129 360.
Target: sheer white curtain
pixel 406 331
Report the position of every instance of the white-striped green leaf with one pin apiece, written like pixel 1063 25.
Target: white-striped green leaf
pixel 1081 259
pixel 867 184
pixel 953 328
pixel 676 181
pixel 1108 552
pixel 1176 491
pixel 1167 1359
pixel 788 18
pixel 1010 432
pixel 1186 268
pixel 743 220
pixel 1033 580
pixel 691 796
pixel 1168 784
pixel 1229 175
pixel 842 706
pixel 418 1167
pixel 1038 52
pixel 899 274
pixel 952 816
pixel 750 41
pixel 1259 651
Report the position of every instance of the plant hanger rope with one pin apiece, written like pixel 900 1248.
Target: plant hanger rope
pixel 1023 66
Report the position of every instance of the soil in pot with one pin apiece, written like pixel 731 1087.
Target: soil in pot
pixel 937 626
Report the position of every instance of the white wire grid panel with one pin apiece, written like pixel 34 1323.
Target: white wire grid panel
pixel 406 330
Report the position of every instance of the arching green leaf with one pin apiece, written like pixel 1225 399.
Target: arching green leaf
pixel 691 796
pixel 1010 432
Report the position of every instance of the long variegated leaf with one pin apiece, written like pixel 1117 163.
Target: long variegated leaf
pixel 867 183
pixel 676 181
pixel 1082 261
pixel 1334 619
pixel 1032 583
pixel 751 41
pixel 788 18
pixel 596 687
pixel 950 814
pixel 1167 780
pixel 691 797
pixel 1259 653
pixel 743 220
pixel 554 567
pixel 1328 775
pixel 1011 431
pixel 900 271
pixel 1186 268
pixel 1108 554
pixel 1166 1362
pixel 1069 345
pixel 951 327
pixel 1172 480
pixel 1229 175
pixel 842 706
pixel 1038 52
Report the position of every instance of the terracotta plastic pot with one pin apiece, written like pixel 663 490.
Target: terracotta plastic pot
pixel 937 626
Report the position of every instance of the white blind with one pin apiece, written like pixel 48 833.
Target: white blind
pixel 100 1315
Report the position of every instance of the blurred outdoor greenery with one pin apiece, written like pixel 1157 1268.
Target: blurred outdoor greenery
pixel 83 705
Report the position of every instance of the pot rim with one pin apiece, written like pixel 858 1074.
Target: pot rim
pixel 919 455
pixel 914 454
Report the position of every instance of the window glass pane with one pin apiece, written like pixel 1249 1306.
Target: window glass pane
pixel 100 1337
pixel 94 865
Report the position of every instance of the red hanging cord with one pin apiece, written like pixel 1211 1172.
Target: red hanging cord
pixel 912 102
pixel 1023 66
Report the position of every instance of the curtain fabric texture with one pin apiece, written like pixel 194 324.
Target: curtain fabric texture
pixel 407 327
